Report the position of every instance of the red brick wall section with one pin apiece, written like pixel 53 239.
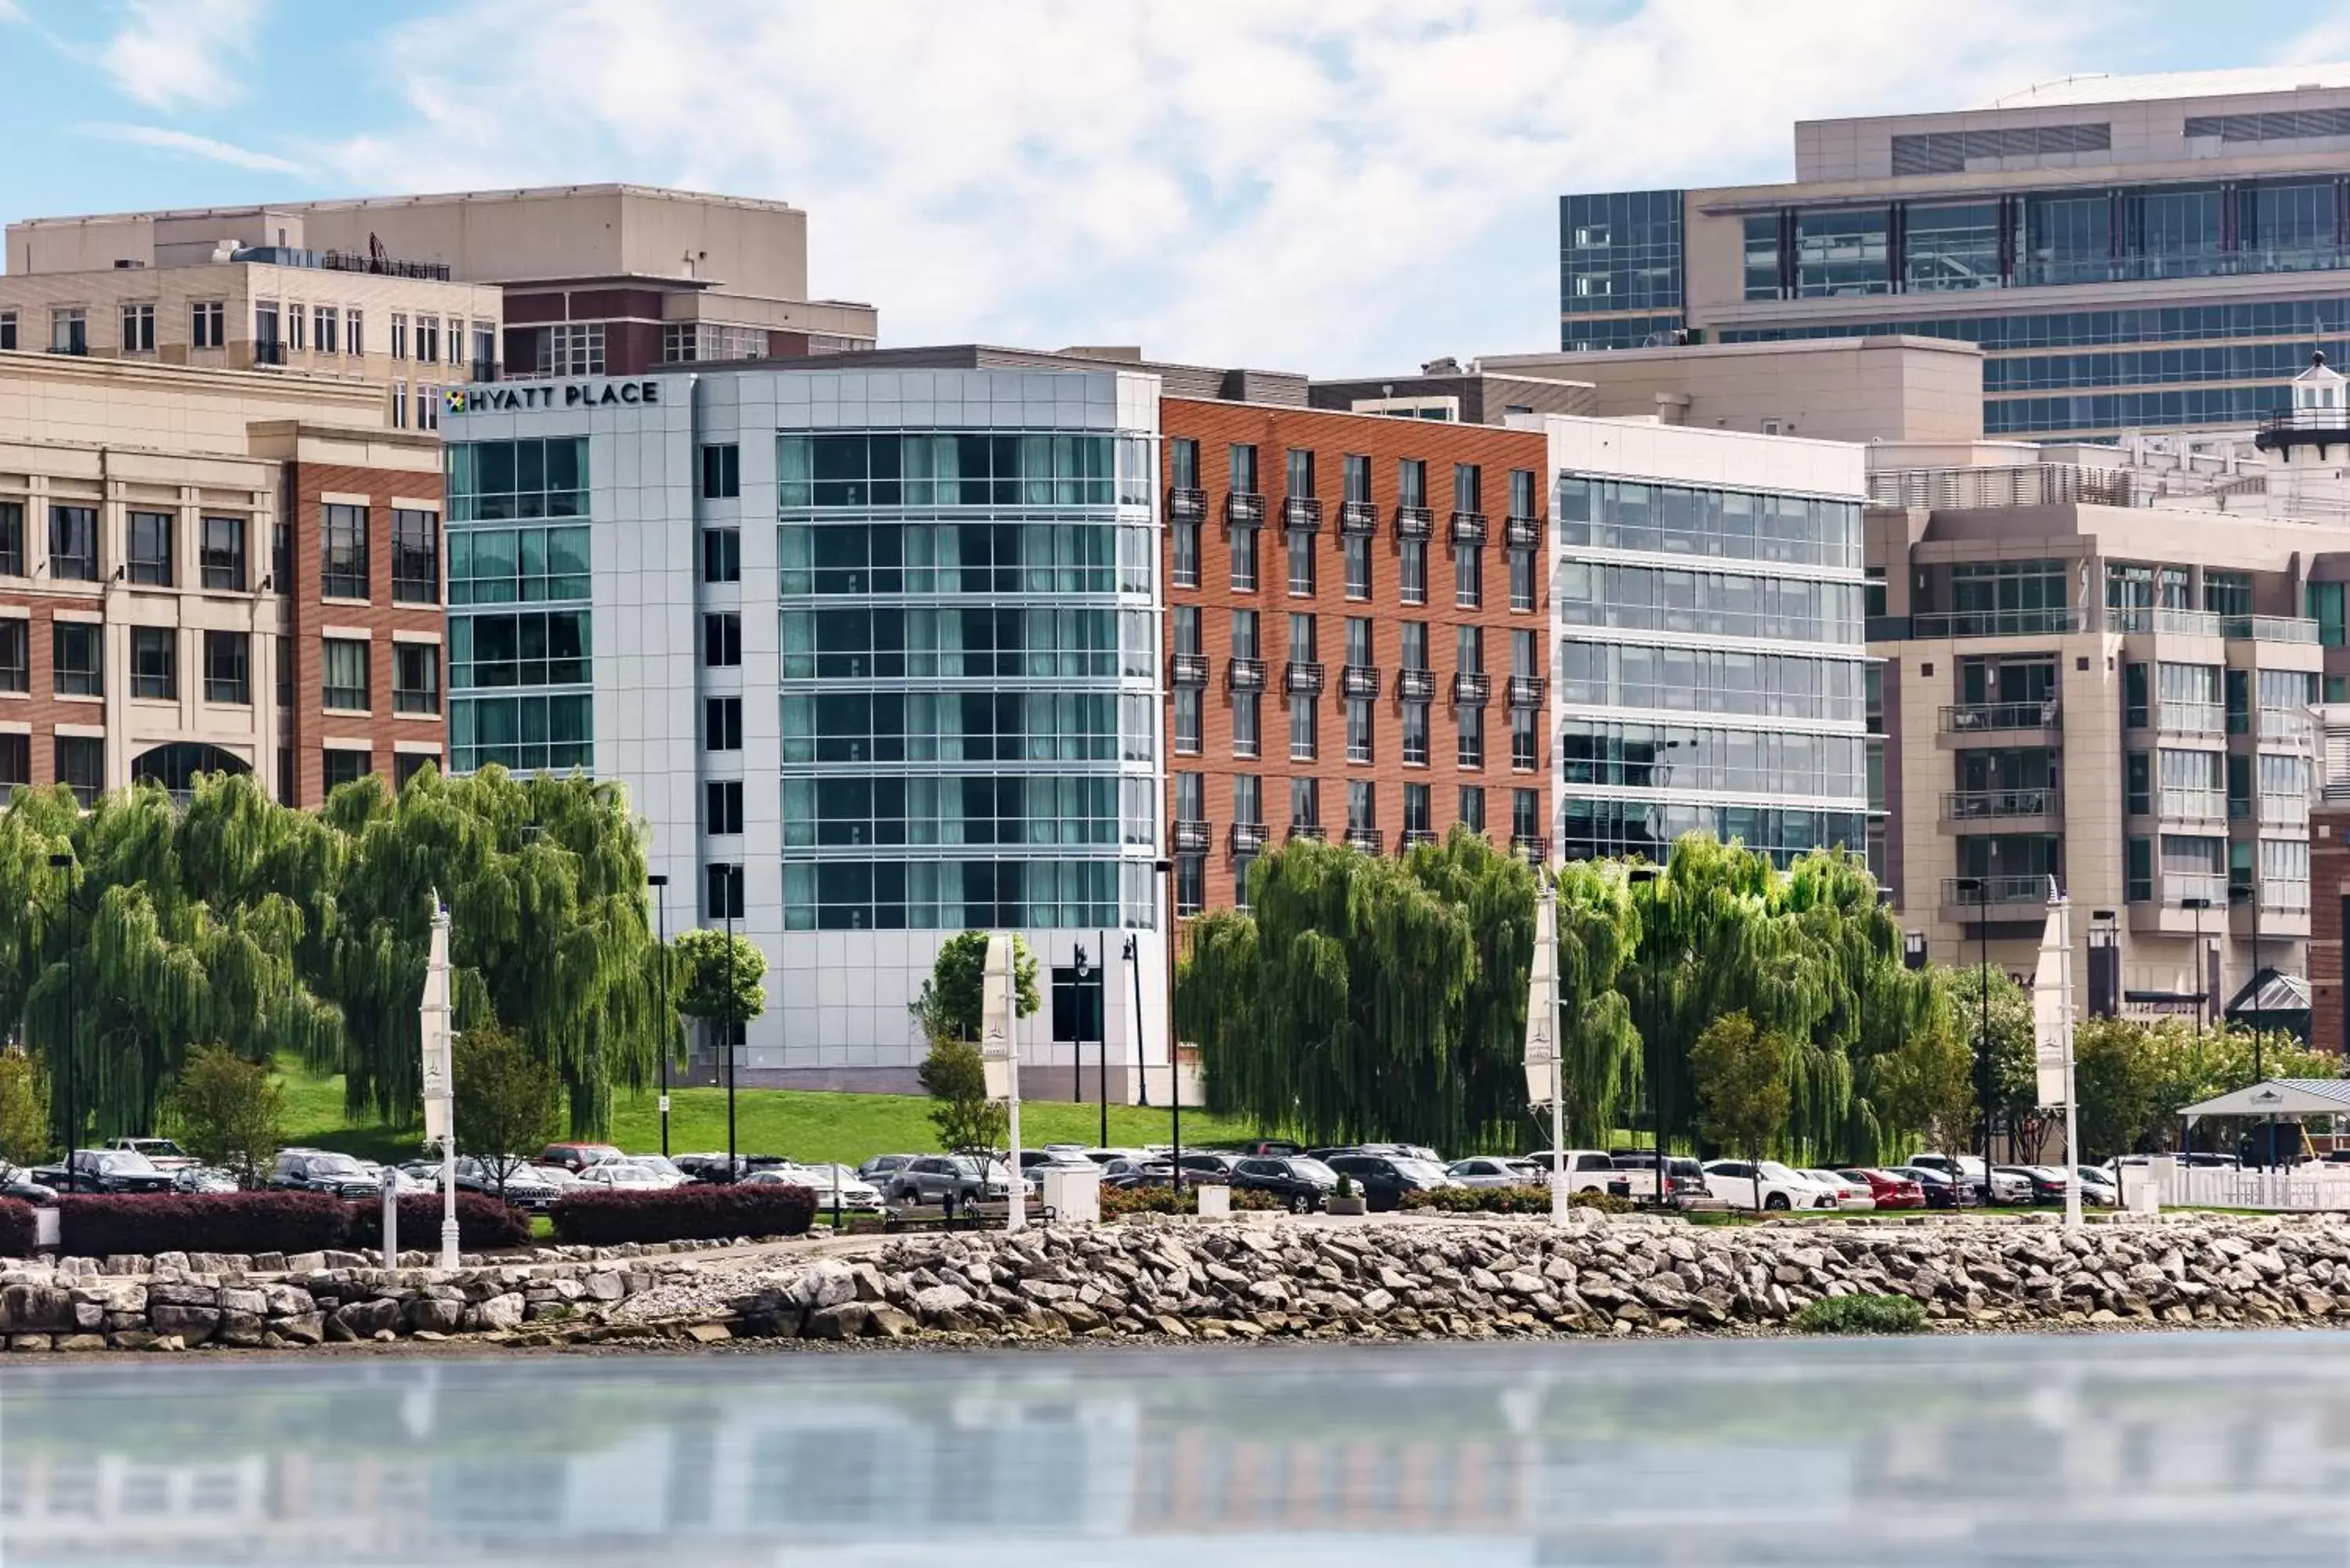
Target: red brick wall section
pixel 2329 880
pixel 42 708
pixel 311 723
pixel 1332 435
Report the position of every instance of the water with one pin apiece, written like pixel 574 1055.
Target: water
pixel 2189 1448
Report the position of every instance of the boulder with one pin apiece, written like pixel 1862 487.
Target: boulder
pixel 436 1314
pixel 499 1311
pixel 364 1320
pixel 827 1282
pixel 238 1328
pixel 842 1320
pixel 191 1324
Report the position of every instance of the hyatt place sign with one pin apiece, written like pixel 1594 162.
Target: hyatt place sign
pixel 516 397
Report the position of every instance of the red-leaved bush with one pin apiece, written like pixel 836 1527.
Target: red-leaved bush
pixel 95 1225
pixel 483 1223
pixel 16 1228
pixel 683 1214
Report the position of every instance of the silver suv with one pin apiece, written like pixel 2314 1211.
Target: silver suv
pixel 953 1180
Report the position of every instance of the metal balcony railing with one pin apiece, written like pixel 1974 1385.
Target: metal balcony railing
pixel 1243 509
pixel 1416 685
pixel 1533 846
pixel 1301 514
pixel 1359 519
pixel 1187 670
pixel 1194 838
pixel 1984 718
pixel 1528 691
pixel 2269 628
pixel 1472 688
pixel 2287 425
pixel 2290 810
pixel 1368 839
pixel 485 370
pixel 1244 674
pixel 1186 504
pixel 1468 527
pixel 2179 887
pixel 1936 625
pixel 1306 830
pixel 1980 805
pixel 1358 680
pixel 1413 836
pixel 1303 676
pixel 2286 723
pixel 1960 892
pixel 1248 838
pixel 1414 522
pixel 269 351
pixel 2167 622
pixel 2190 718
pixel 2191 804
pixel 1522 532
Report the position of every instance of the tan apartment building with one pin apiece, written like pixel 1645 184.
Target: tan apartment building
pixel 207 570
pixel 583 280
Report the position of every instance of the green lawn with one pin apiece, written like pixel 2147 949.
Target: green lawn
pixel 803 1124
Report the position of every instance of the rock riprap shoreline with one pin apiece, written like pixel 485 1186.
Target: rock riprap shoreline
pixel 1249 1278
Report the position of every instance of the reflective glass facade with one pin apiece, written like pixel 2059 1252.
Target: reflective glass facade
pixel 1619 268
pixel 520 682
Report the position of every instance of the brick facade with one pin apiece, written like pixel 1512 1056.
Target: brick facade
pixel 1331 437
pixel 2329 884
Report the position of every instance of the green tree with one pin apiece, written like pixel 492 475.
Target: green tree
pixel 1597 934
pixel 968 1122
pixel 504 1100
pixel 1740 1076
pixel 715 984
pixel 229 1112
pixel 23 1109
pixel 950 1002
pixel 2011 1072
pixel 1925 1088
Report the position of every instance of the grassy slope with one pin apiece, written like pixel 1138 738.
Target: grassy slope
pixel 802 1124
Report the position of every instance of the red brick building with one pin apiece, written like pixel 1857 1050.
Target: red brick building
pixel 1357 633
pixel 2329 888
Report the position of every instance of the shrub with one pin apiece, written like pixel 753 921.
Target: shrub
pixel 683 1214
pixel 17 1229
pixel 96 1225
pixel 1121 1200
pixel 1862 1314
pixel 1509 1201
pixel 483 1224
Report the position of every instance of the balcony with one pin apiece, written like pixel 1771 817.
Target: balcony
pixel 1312 830
pixel 269 351
pixel 2166 622
pixel 1528 691
pixel 1468 527
pixel 1533 846
pixel 1957 624
pixel 2269 628
pixel 1243 510
pixel 1415 837
pixel 1244 674
pixel 1248 838
pixel 1522 532
pixel 1472 688
pixel 1997 718
pixel 2182 718
pixel 2181 888
pixel 2287 723
pixel 2304 427
pixel 1370 840
pixel 1999 892
pixel 1414 523
pixel 1989 804
pixel 1187 503
pixel 1302 677
pixel 2191 804
pixel 1187 670
pixel 1301 514
pixel 1192 837
pixel 78 351
pixel 2284 810
pixel 1416 685
pixel 1358 680
pixel 1358 519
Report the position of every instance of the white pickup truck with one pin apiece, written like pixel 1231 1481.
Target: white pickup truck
pixel 1587 1170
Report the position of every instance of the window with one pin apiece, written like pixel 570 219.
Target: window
pixel 415 557
pixel 151 548
pixel 2135 703
pixel 2138 784
pixel 343 673
pixel 8 330
pixel 1414 734
pixel 525 734
pixel 722 892
pixel 721 472
pixel 69 331
pixel 327 335
pixel 1187 720
pixel 1184 542
pixel 1524 749
pixel 428 341
pixel 1357 547
pixel 1243 544
pixel 399 405
pixel 219 553
pixel 1525 814
pixel 722 556
pixel 73 543
pixel 15 761
pixel 228 667
pixel 1412 572
pixel 155 663
pixel 415 678
pixel 722 724
pixel 340 765
pixel 1183 463
pixel 1362 806
pixel 1241 462
pixel 296 322
pixel 1470 752
pixel 428 407
pixel 405 765
pixel 208 324
pixel 1468 576
pixel 139 329
pixel 81 766
pixel 2323 603
pixel 1411 481
pixel 1300 474
pixel 1473 807
pixel 1248 724
pixel 1305 803
pixel 1468 487
pixel 721 639
pixel 1358 729
pixel 12 539
pixel 343 545
pixel 1301 561
pixel 547 647
pixel 570 350
pixel 1522 579
pixel 15 654
pixel 399 335
pixel 1358 479
pixel 78 651
pixel 1303 746
pixel 266 349
pixel 722 807
pixel 355 342
pixel 1415 809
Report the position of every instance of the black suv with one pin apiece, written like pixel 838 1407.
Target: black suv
pixel 1383 1179
pixel 1298 1183
pixel 105 1171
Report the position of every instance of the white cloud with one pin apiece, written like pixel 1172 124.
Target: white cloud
pixel 198 147
pixel 1286 183
pixel 173 54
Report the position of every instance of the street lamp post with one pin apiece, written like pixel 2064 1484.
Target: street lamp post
pixel 2252 894
pixel 1077 1027
pixel 1133 956
pixel 726 880
pixel 64 864
pixel 2202 982
pixel 1650 874
pixel 1102 1034
pixel 1979 886
pixel 660 884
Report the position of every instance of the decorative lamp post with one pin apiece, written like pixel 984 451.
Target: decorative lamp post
pixel 63 865
pixel 660 885
pixel 1978 888
pixel 1652 876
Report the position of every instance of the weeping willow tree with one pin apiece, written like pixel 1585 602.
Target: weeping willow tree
pixel 545 883
pixel 168 930
pixel 1598 931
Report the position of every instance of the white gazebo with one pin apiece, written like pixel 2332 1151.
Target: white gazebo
pixel 2318 1185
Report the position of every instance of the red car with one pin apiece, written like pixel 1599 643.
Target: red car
pixel 1890 1191
pixel 575 1157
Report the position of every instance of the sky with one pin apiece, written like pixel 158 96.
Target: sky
pixel 1337 186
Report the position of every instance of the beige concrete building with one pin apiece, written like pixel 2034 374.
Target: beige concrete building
pixel 585 279
pixel 1832 389
pixel 207 570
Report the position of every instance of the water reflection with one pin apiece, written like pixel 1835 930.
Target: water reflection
pixel 1992 1450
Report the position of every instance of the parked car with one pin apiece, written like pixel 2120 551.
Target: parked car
pixel 713 1168
pixel 1852 1192
pixel 1684 1177
pixel 882 1166
pixel 2097 1186
pixel 660 1165
pixel 517 1181
pixel 324 1170
pixel 16 1182
pixel 1999 1188
pixel 1271 1147
pixel 202 1178
pixel 1765 1184
pixel 1890 1188
pixel 575 1157
pixel 621 1176
pixel 1298 1182
pixel 166 1154
pixel 950 1181
pixel 1499 1170
pixel 1588 1170
pixel 105 1171
pixel 856 1192
pixel 1383 1179
pixel 1942 1191
pixel 1034 1174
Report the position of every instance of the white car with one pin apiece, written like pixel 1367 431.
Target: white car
pixel 1497 1170
pixel 2006 1186
pixel 1850 1194
pixel 856 1192
pixel 622 1174
pixel 1735 1182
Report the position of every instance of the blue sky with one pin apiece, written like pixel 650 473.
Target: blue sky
pixel 1296 183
